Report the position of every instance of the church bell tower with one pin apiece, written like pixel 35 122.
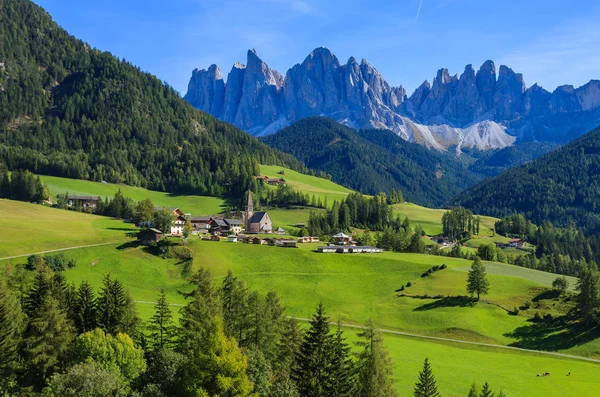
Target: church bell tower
pixel 249 211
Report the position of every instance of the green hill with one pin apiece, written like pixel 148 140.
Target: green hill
pixel 372 161
pixel 67 109
pixel 562 186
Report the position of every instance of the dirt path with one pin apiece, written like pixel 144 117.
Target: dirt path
pixel 59 249
pixel 438 338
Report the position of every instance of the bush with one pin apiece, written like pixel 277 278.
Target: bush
pixel 409 284
pixel 526 305
pixel 537 317
pixel 515 311
pixel 560 284
pixel 443 267
pixel 34 261
pixel 60 262
pixel 180 252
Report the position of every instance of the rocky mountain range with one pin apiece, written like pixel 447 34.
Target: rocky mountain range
pixel 485 109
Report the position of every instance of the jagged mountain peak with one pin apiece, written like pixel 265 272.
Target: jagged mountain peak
pixel 439 114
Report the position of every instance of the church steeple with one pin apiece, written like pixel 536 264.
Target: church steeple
pixel 249 211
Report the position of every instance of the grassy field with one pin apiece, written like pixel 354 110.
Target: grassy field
pixel 29 228
pixel 196 205
pixel 321 188
pixel 356 287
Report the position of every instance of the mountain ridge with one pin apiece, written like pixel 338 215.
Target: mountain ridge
pixel 483 109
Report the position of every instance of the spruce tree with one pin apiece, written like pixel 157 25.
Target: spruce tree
pixel 288 347
pixel 486 391
pixel 588 299
pixel 12 325
pixel 47 342
pixel 40 289
pixel 161 325
pixel 477 282
pixel 473 392
pixel 312 370
pixel 111 303
pixel 426 386
pixel 342 367
pixel 86 309
pixel 374 366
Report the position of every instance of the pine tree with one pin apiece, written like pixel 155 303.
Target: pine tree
pixel 477 282
pixel 426 386
pixel 288 347
pixel 342 367
pixel 588 299
pixel 473 391
pixel 40 289
pixel 486 391
pixel 161 325
pixel 111 303
pixel 312 371
pixel 86 309
pixel 12 325
pixel 47 341
pixel 374 366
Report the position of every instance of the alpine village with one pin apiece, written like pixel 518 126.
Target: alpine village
pixel 312 232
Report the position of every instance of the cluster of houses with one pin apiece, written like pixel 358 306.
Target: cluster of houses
pixel 513 243
pixel 270 181
pixel 343 244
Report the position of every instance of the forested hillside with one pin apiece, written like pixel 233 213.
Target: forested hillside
pixel 70 110
pixel 562 186
pixel 373 161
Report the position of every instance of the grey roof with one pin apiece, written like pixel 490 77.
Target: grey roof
pixel 234 222
pixel 199 218
pixel 258 216
pixel 221 222
pixel 280 229
pixel 91 198
pixel 168 208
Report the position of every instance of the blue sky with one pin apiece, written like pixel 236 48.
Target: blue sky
pixel 551 42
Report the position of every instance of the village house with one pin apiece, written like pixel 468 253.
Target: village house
pixel 178 223
pixel 349 249
pixel 287 243
pixel 256 222
pixel 148 236
pixel 517 243
pixel 218 227
pixel 341 239
pixel 308 239
pixel 85 202
pixel 279 230
pixel 441 240
pixel 275 181
pixel 235 225
pixel 232 239
pixel 200 224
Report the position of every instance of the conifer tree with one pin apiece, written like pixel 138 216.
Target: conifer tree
pixel 342 367
pixel 374 366
pixel 473 392
pixel 86 309
pixel 486 391
pixel 477 282
pixel 111 303
pixel 12 325
pixel 40 289
pixel 426 386
pixel 288 347
pixel 312 371
pixel 47 341
pixel 161 325
pixel 588 299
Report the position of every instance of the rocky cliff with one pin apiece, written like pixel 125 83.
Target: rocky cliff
pixel 486 109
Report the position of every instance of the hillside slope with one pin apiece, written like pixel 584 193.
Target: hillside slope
pixel 562 186
pixel 372 161
pixel 69 110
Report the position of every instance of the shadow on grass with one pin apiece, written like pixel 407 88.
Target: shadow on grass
pixel 557 334
pixel 449 301
pixel 124 229
pixel 547 294
pixel 128 245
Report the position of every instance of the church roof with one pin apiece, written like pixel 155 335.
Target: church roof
pixel 258 216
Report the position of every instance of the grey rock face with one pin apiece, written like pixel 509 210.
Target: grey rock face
pixel 452 111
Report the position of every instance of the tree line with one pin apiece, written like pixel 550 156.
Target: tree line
pixel 22 185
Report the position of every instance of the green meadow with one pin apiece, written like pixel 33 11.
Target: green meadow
pixel 28 228
pixel 196 205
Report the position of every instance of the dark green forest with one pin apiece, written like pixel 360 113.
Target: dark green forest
pixel 562 187
pixel 69 110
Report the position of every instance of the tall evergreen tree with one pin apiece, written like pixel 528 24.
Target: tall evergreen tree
pixel 426 386
pixel 86 309
pixel 40 289
pixel 486 391
pixel 161 327
pixel 375 368
pixel 477 282
pixel 288 347
pixel 588 298
pixel 111 303
pixel 312 372
pixel 343 379
pixel 473 392
pixel 47 341
pixel 12 325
